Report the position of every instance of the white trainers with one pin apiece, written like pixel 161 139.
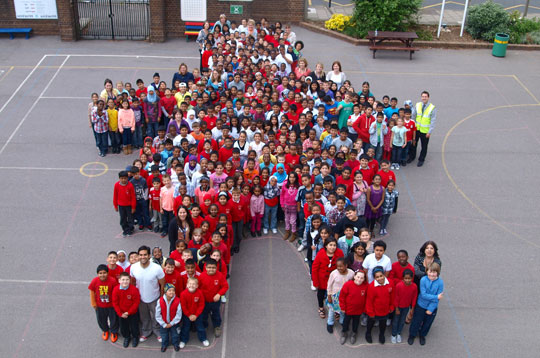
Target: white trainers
pixel 274 231
pixel 143 339
pixel 313 288
pixel 206 343
pixel 159 339
pixel 301 247
pixel 398 338
pixel 392 166
pixel 182 345
pixel 393 339
pixel 396 166
pixel 363 321
pixel 265 231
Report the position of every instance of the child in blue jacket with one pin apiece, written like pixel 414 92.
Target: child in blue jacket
pixel 431 292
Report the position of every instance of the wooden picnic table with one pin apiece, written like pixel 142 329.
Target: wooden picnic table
pixel 406 39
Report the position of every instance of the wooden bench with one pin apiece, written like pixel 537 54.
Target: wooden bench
pixel 394 48
pixel 13 31
pixel 193 28
pixel 404 41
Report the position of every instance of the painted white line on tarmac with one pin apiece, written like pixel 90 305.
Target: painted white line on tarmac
pixel 128 56
pixel 44 281
pixel 33 105
pixel 23 83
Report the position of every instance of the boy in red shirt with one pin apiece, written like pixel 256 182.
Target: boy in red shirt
pixel 367 172
pixel 385 173
pixel 114 269
pixel 153 200
pixel 213 285
pixel 192 301
pixel 101 288
pixel 238 213
pixel 191 270
pixel 124 202
pixel 126 299
pixel 345 179
pixel 292 159
pixel 172 276
pixel 225 152
pixel 379 303
pixel 411 136
pixel 405 301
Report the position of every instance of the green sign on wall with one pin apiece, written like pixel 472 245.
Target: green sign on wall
pixel 237 9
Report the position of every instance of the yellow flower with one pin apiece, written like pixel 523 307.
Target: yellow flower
pixel 337 22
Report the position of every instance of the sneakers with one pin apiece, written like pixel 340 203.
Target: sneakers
pixel 394 339
pixel 265 231
pixel 343 338
pixel 381 232
pixel 159 339
pixel 274 231
pixel 143 339
pixel 398 338
pixel 301 247
pixel 363 321
pixel 396 166
pixel 206 343
pixel 330 328
pixel 105 336
pixel 353 338
pixel 313 288
pixel 141 227
pixel 393 166
pixel 182 345
pixel 385 232
pixel 114 337
pixel 217 332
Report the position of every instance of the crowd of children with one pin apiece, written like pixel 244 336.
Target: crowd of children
pixel 253 138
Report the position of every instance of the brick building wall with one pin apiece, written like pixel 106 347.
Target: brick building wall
pixel 164 15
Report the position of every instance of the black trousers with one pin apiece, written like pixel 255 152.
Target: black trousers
pixel 424 142
pixel 238 228
pixel 371 323
pixel 129 327
pixel 321 295
pixel 107 319
pixel 126 219
pixel 355 319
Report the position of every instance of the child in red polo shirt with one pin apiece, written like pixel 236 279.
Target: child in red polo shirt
pixel 153 199
pixel 172 275
pixel 405 301
pixel 238 213
pixel 126 299
pixel 385 173
pixel 192 301
pixel 124 202
pixel 379 303
pixel 214 285
pixel 101 288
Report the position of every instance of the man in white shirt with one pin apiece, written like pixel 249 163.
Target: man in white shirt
pixel 285 58
pixel 149 279
pixel 377 258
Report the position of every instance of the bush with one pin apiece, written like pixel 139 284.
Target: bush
pixel 520 28
pixel 337 22
pixel 532 38
pixel 383 15
pixel 487 19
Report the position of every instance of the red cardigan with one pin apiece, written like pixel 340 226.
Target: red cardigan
pixel 320 272
pixel 380 299
pixel 126 300
pixel 352 298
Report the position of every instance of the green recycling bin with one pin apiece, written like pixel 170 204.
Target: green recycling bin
pixel 500 44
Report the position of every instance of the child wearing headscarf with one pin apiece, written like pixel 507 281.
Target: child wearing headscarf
pixel 152 112
pixel 280 175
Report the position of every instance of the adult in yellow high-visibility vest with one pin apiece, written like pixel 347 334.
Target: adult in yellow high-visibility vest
pixel 424 114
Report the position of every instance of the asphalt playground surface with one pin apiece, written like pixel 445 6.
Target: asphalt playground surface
pixel 476 196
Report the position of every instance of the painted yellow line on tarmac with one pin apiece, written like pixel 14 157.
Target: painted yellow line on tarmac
pixel 7 73
pixel 521 5
pixel 83 168
pixel 338 4
pixel 440 4
pixel 526 89
pixel 460 191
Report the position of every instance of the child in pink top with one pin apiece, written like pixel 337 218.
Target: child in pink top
pixel 256 207
pixel 126 125
pixel 289 205
pixel 166 197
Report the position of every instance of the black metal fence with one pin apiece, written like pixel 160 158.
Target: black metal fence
pixel 114 19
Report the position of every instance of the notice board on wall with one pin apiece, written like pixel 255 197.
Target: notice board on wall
pixel 35 9
pixel 193 10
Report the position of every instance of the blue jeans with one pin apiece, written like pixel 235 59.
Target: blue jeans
pixel 212 309
pixel 103 142
pixel 270 212
pixel 331 317
pixel 384 221
pixel 166 218
pixel 399 321
pixel 151 129
pixel 396 154
pixel 173 331
pixel 378 152
pixel 141 213
pixel 137 137
pixel 405 152
pixel 421 322
pixel 186 327
pixel 127 136
pixel 115 139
